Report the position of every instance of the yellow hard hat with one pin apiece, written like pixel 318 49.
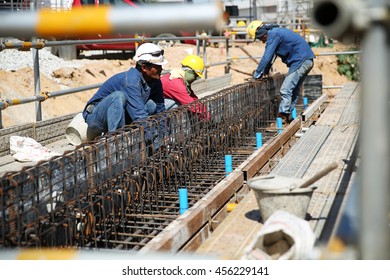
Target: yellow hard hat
pixel 251 29
pixel 241 23
pixel 195 63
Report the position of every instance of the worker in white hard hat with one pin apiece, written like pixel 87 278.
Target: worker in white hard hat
pixel 128 96
pixel 177 84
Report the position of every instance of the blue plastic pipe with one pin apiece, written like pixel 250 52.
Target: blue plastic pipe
pixel 294 114
pixel 228 164
pixel 279 124
pixel 259 139
pixel 183 200
pixel 305 102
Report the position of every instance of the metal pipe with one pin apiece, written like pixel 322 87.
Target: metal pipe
pixel 82 21
pixel 374 241
pixel 116 40
pixel 73 90
pixel 41 44
pixel 205 58
pixel 337 53
pixel 17 101
pixel 317 54
pixel 39 97
pixel 37 83
pixel 23 46
pixel 332 87
pixel 244 57
pixel 340 18
pixel 227 68
pixel 217 63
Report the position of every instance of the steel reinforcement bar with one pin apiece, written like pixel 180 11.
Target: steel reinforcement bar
pixel 121 190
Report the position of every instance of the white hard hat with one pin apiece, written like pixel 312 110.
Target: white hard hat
pixel 150 53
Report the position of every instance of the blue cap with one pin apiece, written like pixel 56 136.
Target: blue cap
pixel 260 32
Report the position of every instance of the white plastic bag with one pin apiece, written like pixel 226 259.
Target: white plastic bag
pixel 27 149
pixel 284 236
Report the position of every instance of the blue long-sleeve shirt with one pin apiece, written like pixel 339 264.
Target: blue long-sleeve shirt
pixel 286 44
pixel 137 91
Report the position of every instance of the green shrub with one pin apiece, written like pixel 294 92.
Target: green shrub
pixel 348 65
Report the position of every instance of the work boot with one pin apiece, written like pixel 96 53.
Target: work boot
pixel 285 121
pixel 285 118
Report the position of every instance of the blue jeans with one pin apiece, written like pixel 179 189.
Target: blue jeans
pixel 289 91
pixel 170 104
pixel 110 114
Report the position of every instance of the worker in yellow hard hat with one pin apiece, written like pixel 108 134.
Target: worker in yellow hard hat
pixel 177 84
pixel 241 23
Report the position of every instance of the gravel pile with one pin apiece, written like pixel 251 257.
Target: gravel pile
pixel 12 59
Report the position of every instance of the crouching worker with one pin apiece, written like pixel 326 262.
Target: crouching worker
pixel 128 96
pixel 177 85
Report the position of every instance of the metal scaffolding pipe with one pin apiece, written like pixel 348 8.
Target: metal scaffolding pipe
pixel 73 90
pixel 41 44
pixel 82 21
pixel 332 87
pixel 375 181
pixel 340 18
pixel 337 53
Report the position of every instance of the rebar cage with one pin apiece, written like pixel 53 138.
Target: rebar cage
pixel 121 190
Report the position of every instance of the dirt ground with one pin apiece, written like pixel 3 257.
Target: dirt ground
pixel 20 83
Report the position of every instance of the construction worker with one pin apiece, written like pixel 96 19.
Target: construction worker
pixel 177 84
pixel 241 24
pixel 296 53
pixel 128 96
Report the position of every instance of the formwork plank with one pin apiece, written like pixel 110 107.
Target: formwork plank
pixel 296 162
pixel 333 138
pixel 230 239
pixel 343 102
pixel 341 147
pixel 314 107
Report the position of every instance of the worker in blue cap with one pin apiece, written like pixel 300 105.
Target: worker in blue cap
pixel 296 53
